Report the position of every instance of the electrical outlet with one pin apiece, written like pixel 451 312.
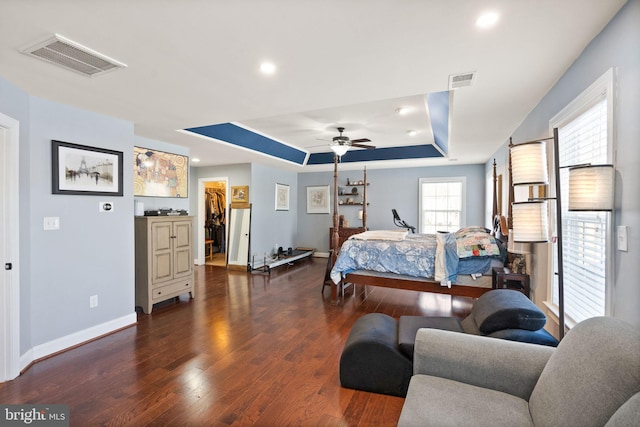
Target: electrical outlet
pixel 93 301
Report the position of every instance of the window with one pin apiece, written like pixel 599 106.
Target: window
pixel 442 204
pixel 585 136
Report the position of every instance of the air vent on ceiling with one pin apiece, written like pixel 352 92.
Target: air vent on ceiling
pixel 73 56
pixel 456 81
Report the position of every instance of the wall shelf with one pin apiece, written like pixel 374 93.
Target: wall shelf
pixel 348 197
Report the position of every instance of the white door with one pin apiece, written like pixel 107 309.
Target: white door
pixel 9 250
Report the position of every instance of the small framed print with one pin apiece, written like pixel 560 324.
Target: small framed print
pixel 318 199
pixel 240 194
pixel 282 197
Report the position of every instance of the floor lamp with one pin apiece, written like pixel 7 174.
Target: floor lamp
pixel 590 189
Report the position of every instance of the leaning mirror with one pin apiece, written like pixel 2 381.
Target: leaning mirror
pixel 239 234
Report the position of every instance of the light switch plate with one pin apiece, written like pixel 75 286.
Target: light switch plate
pixel 622 238
pixel 51 223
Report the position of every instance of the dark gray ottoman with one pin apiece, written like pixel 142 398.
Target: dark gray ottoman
pixel 371 360
pixel 378 355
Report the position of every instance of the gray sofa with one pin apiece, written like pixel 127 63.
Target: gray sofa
pixel 591 379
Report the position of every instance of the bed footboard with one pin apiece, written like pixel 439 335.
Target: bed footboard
pixel 395 281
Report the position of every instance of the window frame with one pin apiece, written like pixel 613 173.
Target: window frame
pixel 437 180
pixel 603 86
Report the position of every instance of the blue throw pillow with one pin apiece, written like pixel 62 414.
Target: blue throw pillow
pixel 506 309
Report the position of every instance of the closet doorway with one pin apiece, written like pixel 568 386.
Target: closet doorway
pixel 213 217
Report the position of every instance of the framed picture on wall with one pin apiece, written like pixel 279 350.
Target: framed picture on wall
pixel 159 174
pixel 318 199
pixel 282 197
pixel 240 194
pixel 82 170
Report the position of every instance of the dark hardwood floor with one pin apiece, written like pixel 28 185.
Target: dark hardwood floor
pixel 250 349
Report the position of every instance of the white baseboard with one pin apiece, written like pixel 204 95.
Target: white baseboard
pixel 26 359
pixel 321 254
pixel 63 343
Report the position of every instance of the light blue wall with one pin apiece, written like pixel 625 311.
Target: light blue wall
pixel 313 229
pixel 268 226
pixel 618 45
pixel 92 253
pixel 389 188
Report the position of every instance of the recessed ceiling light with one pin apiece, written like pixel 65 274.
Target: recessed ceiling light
pixel 267 68
pixel 195 160
pixel 412 132
pixel 403 110
pixel 487 20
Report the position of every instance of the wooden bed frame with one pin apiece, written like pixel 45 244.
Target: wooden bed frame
pixel 413 284
pixel 390 280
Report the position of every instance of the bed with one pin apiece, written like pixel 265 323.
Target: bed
pixel 457 263
pixel 448 260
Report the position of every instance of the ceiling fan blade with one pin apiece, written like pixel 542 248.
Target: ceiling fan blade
pixel 368 147
pixel 360 140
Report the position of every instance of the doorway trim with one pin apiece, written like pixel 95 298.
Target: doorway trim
pixel 201 190
pixel 9 249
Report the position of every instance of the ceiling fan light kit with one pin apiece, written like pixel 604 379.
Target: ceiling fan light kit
pixel 339 148
pixel 342 143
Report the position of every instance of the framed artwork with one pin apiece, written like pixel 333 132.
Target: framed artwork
pixel 240 194
pixel 318 199
pixel 82 170
pixel 282 197
pixel 159 174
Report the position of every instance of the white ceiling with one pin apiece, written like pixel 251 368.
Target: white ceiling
pixel 339 63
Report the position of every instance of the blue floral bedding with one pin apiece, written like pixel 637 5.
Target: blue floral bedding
pixel 414 256
pixel 418 255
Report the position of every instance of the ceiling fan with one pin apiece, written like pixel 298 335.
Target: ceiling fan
pixel 340 144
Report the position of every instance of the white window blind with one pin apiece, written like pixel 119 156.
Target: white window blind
pixel 441 204
pixel 583 139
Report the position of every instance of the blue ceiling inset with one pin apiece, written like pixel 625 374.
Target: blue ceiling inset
pixel 437 105
pixel 391 153
pixel 242 137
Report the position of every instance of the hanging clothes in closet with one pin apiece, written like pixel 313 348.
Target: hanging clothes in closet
pixel 215 214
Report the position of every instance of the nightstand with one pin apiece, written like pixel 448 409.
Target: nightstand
pixel 504 278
